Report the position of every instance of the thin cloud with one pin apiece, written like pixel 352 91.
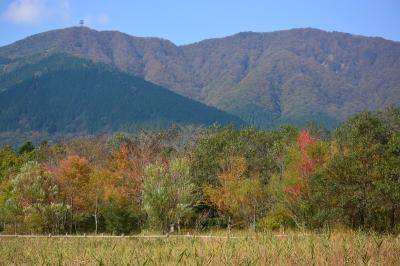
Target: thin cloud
pixel 25 11
pixel 93 20
pixel 35 11
pixel 103 19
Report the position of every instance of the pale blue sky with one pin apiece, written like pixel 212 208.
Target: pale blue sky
pixel 187 21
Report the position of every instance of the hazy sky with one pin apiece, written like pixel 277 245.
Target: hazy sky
pixel 186 21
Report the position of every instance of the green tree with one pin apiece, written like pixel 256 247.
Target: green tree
pixel 36 192
pixel 353 188
pixel 257 147
pixel 121 217
pixel 11 212
pixel 26 148
pixel 183 191
pixel 168 195
pixel 10 162
pixel 388 184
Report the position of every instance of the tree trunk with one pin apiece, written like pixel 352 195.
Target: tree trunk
pixel 95 215
pixel 72 216
pixel 392 218
pixel 95 221
pixel 362 217
pixel 254 219
pixel 229 224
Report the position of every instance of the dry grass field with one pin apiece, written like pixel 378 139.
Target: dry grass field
pixel 350 248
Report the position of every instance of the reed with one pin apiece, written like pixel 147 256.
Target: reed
pixel 349 248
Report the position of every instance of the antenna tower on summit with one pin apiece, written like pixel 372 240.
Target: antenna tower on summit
pixel 81 22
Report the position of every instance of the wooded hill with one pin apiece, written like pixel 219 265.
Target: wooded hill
pixel 61 94
pixel 267 79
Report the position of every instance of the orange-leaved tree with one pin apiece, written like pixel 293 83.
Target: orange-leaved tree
pixel 73 176
pixel 103 185
pixel 237 196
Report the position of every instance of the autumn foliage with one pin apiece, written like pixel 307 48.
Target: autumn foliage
pixel 195 179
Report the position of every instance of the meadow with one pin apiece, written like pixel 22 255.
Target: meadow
pixel 350 248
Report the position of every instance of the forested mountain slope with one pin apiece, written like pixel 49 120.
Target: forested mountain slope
pixel 63 94
pixel 266 78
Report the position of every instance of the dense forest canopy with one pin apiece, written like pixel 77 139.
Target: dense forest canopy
pixel 223 177
pixel 60 94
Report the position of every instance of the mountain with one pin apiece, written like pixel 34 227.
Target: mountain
pixel 265 78
pixel 61 94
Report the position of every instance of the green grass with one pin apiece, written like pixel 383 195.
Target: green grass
pixel 256 249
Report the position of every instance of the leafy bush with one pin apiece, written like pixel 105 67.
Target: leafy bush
pixel 275 219
pixel 120 218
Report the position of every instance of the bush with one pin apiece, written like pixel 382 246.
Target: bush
pixel 275 219
pixel 120 218
pixel 215 222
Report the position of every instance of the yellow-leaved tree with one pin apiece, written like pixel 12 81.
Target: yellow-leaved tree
pixel 238 198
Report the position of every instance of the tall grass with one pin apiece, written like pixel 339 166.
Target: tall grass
pixel 351 248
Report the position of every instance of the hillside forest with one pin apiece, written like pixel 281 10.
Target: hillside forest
pixel 263 79
pixel 188 178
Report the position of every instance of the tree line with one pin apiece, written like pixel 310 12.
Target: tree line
pixel 187 178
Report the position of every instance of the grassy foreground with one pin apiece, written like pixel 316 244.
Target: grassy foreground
pixel 257 249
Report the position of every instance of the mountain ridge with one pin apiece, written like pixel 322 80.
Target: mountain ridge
pixel 203 40
pixel 284 74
